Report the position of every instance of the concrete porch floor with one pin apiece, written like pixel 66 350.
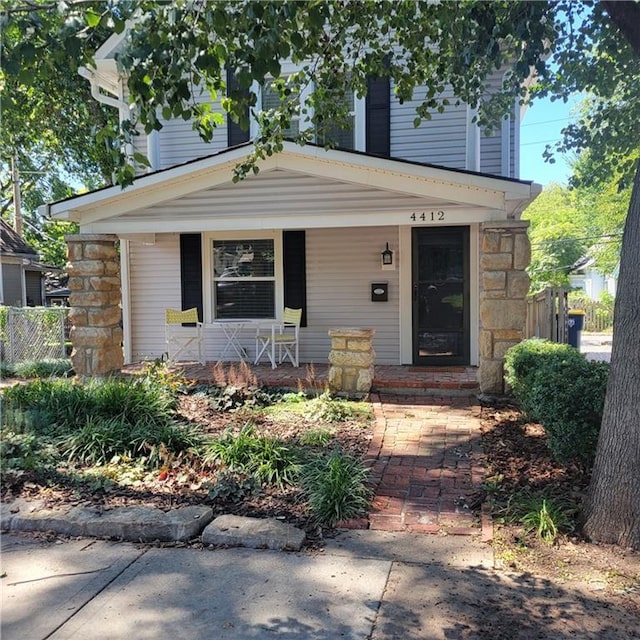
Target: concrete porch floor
pixel 404 379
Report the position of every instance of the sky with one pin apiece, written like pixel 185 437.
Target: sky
pixel 541 125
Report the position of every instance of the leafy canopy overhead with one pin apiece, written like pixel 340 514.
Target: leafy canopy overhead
pixel 176 50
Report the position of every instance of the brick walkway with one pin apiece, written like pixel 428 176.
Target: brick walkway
pixel 426 463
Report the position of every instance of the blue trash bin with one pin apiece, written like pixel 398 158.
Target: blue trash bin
pixel 574 326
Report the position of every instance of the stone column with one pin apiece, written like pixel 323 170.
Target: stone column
pixel 96 315
pixel 351 360
pixel 504 255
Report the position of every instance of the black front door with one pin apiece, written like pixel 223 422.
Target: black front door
pixel 440 295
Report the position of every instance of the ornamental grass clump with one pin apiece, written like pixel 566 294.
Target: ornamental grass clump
pixel 335 487
pixel 92 423
pixel 270 460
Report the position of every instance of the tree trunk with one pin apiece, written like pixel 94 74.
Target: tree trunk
pixel 612 509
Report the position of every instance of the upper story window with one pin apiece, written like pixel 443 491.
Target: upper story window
pixel 350 136
pixel 271 100
pixel 342 137
pixel 244 278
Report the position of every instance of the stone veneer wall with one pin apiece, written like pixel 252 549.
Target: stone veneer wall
pixel 96 315
pixel 351 360
pixel 505 253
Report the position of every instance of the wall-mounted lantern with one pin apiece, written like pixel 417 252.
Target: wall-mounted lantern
pixel 387 259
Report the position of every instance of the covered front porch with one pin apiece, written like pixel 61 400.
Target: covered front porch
pixel 403 379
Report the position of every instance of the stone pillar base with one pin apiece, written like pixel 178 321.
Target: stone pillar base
pixel 94 280
pixel 505 254
pixel 351 360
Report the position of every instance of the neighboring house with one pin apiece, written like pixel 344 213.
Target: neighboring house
pixel 585 276
pixel 21 275
pixel 309 230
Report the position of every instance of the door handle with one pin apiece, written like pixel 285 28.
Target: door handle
pixel 415 293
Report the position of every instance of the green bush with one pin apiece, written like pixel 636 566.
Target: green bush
pixel 268 459
pixel 559 388
pixel 335 487
pixel 104 418
pixel 325 408
pixel 23 452
pixel 102 439
pixel 43 368
pixel 70 405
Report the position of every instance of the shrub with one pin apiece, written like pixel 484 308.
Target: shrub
pixel 325 408
pixel 70 406
pixel 315 437
pixel 43 368
pixel 268 459
pixel 335 487
pixel 23 452
pixel 94 422
pixel 559 388
pixel 233 486
pixel 102 439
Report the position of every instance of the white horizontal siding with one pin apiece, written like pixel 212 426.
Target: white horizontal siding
pixel 154 277
pixel 491 152
pixel 441 140
pixel 341 266
pixel 179 142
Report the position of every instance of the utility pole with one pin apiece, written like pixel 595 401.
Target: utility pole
pixel 17 208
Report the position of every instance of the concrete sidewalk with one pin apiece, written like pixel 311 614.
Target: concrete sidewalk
pixel 365 585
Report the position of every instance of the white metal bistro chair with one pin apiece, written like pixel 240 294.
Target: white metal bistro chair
pixel 184 343
pixel 284 335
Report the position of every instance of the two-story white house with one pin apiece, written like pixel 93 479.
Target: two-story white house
pixel 309 232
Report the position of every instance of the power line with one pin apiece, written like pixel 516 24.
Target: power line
pixel 533 124
pixel 527 144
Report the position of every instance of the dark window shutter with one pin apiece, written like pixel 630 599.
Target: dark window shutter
pixel 191 271
pixel 235 133
pixel 378 113
pixel 295 272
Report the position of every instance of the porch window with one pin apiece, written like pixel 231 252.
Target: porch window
pixel 244 281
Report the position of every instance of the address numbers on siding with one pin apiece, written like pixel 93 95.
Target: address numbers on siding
pixel 428 216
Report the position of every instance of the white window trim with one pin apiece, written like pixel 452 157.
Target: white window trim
pixel 207 265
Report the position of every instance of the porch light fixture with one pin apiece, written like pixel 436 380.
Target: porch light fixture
pixel 387 258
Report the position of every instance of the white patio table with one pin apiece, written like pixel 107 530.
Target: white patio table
pixel 232 330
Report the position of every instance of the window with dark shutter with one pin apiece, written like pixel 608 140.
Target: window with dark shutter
pixel 378 114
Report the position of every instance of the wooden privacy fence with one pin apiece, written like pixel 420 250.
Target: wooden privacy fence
pixel 547 315
pixel 598 316
pixel 32 333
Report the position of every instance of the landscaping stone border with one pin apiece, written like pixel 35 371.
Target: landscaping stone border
pixel 149 524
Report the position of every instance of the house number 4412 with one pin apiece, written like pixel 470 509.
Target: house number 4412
pixel 431 216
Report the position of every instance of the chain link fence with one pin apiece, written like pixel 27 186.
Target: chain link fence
pixel 33 333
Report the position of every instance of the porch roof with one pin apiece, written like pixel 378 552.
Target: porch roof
pixel 325 187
